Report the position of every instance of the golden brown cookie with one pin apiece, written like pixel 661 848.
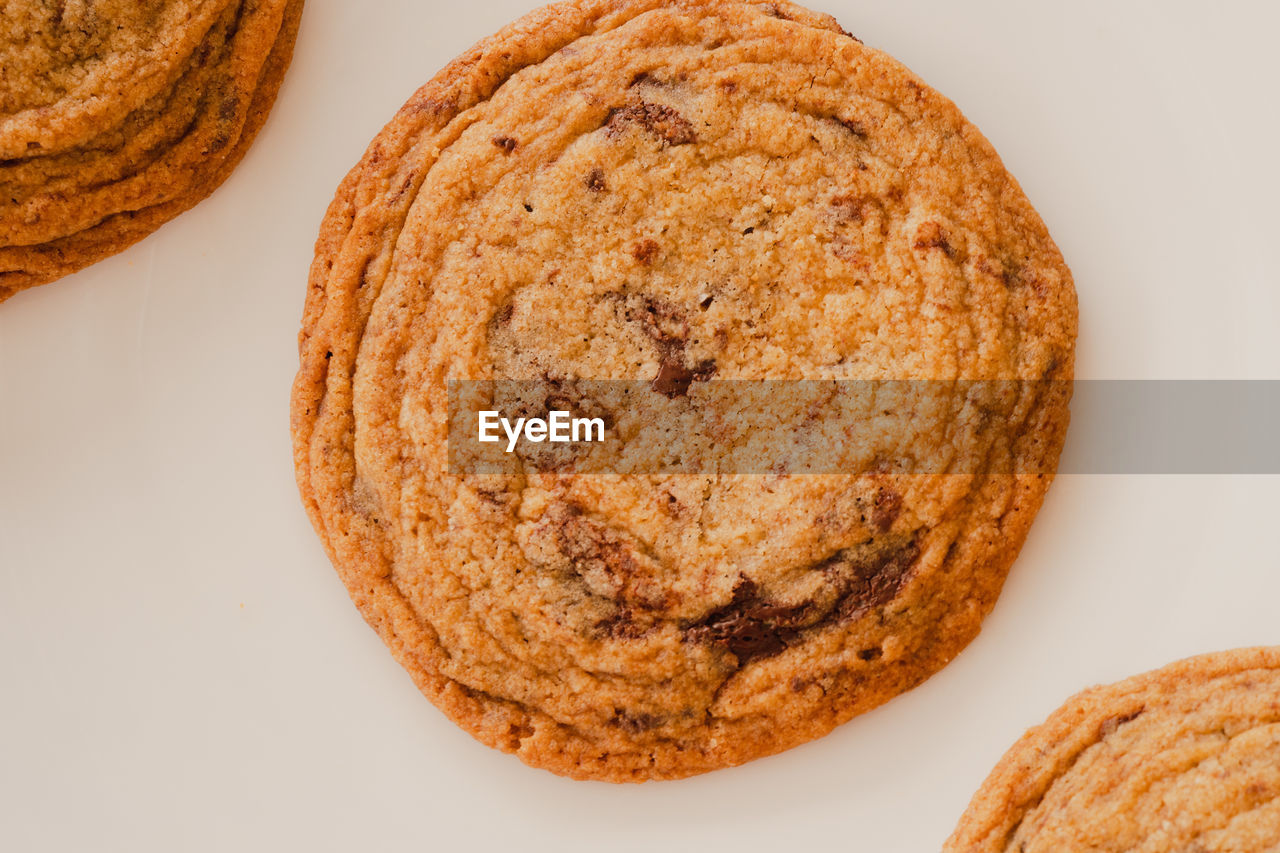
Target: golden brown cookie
pixel 675 193
pixel 1185 759
pixel 129 170
pixel 75 68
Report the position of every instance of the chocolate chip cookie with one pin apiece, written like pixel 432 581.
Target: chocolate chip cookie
pixel 1184 759
pixel 679 194
pixel 117 116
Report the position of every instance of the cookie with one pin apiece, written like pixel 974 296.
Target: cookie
pixel 1186 758
pixel 121 165
pixel 675 194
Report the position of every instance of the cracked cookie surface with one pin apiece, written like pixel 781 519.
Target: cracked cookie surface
pixel 677 193
pixel 115 117
pixel 1186 759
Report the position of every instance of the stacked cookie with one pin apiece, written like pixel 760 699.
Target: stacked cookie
pixel 116 116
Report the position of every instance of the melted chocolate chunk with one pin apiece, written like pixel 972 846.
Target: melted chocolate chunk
pixel 506 143
pixel 873 582
pixel 668 327
pixel 673 379
pixel 660 121
pixel 749 627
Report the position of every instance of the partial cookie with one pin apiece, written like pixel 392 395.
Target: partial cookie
pixel 65 210
pixel 75 68
pixel 675 193
pixel 1182 760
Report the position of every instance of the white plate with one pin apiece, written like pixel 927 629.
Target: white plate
pixel 181 668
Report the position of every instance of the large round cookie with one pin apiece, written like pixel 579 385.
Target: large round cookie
pixel 1182 760
pixel 116 136
pixel 674 192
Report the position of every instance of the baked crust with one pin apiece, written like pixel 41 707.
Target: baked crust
pixel 521 188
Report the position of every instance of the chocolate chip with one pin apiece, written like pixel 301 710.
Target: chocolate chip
pixel 668 327
pixel 648 78
pixel 634 722
pixel 644 251
pixel 662 321
pixel 438 107
pixel 1007 271
pixel 506 143
pixel 674 378
pixel 932 236
pixel 611 563
pixel 220 141
pixel 748 627
pixel 497 497
pixel 661 121
pixel 854 126
pixel 876 581
pixel 595 180
pixel 622 625
pixel 886 508
pixel 1111 724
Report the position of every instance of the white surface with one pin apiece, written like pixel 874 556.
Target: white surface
pixel 181 669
